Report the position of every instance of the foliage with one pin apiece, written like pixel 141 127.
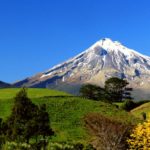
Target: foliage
pixel 1 133
pixel 66 115
pixel 139 103
pixel 16 146
pixel 92 92
pixel 60 146
pixel 140 137
pixel 27 120
pixel 128 105
pixel 116 89
pixel 70 146
pixel 89 147
pixel 17 124
pixel 78 146
pixel 109 133
pixel 144 115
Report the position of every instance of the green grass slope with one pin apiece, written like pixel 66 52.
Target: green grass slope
pixel 32 93
pixel 137 112
pixel 66 113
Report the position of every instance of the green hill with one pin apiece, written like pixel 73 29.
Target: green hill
pixel 66 113
pixel 32 93
pixel 137 112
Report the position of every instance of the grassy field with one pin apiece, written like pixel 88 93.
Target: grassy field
pixel 32 93
pixel 143 108
pixel 67 113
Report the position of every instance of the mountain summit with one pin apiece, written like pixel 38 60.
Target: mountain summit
pixel 104 59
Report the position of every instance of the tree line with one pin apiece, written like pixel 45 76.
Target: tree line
pixel 114 90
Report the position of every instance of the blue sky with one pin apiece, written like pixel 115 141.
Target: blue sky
pixel 37 34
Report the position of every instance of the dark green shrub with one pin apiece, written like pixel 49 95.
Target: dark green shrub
pixel 78 146
pixel 128 105
pixel 143 115
pixel 93 92
pixel 90 147
pixel 138 103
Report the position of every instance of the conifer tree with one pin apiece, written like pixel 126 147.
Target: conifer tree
pixel 27 120
pixel 117 90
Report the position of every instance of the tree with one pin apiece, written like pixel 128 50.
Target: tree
pixel 109 134
pixel 43 124
pixel 27 120
pixel 140 137
pixel 22 113
pixel 92 92
pixel 128 105
pixel 1 133
pixel 117 90
pixel 127 93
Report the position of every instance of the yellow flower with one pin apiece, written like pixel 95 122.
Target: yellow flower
pixel 140 137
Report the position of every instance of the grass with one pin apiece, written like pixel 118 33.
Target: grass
pixel 137 112
pixel 32 93
pixel 66 113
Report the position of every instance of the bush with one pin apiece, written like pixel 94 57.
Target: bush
pixel 90 147
pixel 93 92
pixel 109 133
pixel 142 102
pixel 144 115
pixel 16 146
pixel 140 137
pixel 65 146
pixel 128 105
pixel 78 146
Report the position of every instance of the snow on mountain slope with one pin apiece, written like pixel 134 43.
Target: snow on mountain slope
pixel 104 59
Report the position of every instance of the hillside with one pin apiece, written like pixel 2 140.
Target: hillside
pixel 137 112
pixel 9 93
pixel 66 113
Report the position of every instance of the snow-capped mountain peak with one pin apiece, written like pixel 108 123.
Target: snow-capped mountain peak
pixel 116 46
pixel 104 54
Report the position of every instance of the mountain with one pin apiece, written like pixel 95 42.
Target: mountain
pixel 4 85
pixel 104 59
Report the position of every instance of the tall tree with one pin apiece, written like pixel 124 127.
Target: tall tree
pixel 92 92
pixel 24 122
pixel 43 121
pixel 22 113
pixel 1 133
pixel 116 89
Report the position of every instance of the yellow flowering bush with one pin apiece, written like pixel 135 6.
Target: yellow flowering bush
pixel 140 137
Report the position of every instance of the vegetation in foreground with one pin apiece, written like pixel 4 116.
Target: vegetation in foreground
pixel 69 116
pixel 109 133
pixel 26 122
pixel 140 137
pixel 66 114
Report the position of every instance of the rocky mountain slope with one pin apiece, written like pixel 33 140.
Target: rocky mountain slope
pixel 104 59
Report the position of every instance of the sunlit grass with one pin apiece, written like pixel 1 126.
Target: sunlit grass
pixel 32 93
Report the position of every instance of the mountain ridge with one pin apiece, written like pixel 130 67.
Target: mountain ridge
pixel 4 84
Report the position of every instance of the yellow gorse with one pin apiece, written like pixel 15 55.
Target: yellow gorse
pixel 140 137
